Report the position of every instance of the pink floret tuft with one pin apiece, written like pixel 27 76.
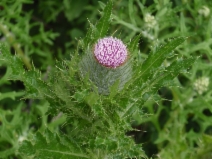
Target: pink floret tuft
pixel 110 52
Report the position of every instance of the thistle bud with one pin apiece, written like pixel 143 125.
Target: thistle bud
pixel 106 63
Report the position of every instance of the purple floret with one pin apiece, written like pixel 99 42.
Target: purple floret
pixel 110 52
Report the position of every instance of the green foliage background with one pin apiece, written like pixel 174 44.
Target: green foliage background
pixel 47 110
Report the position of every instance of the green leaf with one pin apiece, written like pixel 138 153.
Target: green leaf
pixel 11 95
pixel 171 72
pixel 51 145
pixel 35 86
pixel 14 62
pixel 141 94
pixel 5 77
pixel 13 126
pixel 133 43
pixel 79 96
pixel 118 147
pixel 73 9
pixel 132 12
pixel 26 148
pixel 101 28
pixel 205 147
pixel 175 68
pixel 155 60
pixel 89 38
pixel 92 98
pixel 103 24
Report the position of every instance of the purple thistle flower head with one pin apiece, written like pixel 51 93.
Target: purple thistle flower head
pixel 110 52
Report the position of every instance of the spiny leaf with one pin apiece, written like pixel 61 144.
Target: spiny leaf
pixel 92 98
pixel 34 84
pixel 141 94
pixel 133 43
pixel 35 87
pixel 14 62
pixel 100 30
pixel 51 145
pixel 8 129
pixel 171 72
pixel 156 59
pixel 89 36
pixel 111 144
pixel 79 96
pixel 174 69
pixel 103 24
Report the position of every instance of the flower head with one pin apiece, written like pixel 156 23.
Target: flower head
pixel 201 84
pixel 150 20
pixel 110 52
pixel 205 11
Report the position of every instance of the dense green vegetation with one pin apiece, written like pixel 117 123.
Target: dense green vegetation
pixel 50 109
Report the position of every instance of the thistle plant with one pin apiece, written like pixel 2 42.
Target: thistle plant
pixel 97 95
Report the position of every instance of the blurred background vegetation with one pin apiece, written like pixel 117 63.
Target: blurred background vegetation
pixel 177 126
